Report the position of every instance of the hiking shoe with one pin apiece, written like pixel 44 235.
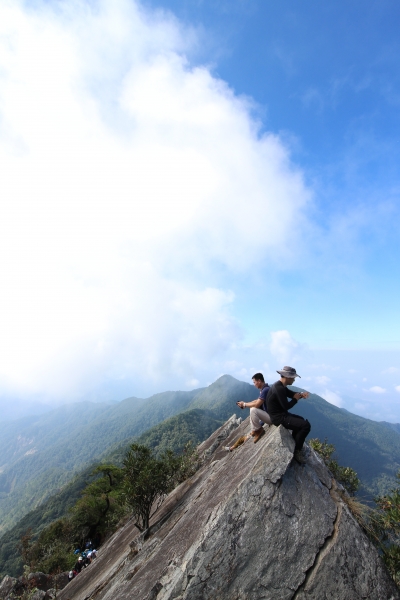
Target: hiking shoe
pixel 227 448
pixel 239 442
pixel 299 457
pixel 257 434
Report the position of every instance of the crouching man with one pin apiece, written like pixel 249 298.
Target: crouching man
pixel 278 406
pixel 258 409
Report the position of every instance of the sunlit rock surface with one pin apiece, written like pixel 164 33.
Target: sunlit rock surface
pixel 250 524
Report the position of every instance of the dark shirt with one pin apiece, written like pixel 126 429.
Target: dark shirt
pixel 263 396
pixel 277 402
pixel 78 566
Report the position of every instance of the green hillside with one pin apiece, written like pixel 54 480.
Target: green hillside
pixel 221 397
pixel 54 508
pixel 29 435
pixel 372 449
pixel 394 426
pixel 42 456
pixel 174 433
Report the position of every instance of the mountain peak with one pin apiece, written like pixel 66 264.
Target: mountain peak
pixel 225 379
pixel 249 524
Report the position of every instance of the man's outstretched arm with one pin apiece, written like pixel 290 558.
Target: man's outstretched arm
pixel 253 404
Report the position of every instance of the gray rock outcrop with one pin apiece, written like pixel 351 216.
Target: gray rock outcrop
pixel 249 524
pixel 8 585
pixel 12 588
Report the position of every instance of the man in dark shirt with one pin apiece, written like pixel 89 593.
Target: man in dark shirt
pixel 258 409
pixel 278 406
pixel 79 565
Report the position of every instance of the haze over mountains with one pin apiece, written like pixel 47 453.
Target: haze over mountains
pixel 41 455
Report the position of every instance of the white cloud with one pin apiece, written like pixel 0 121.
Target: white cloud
pixel 390 370
pixel 397 388
pixel 284 348
pixel 333 398
pixel 376 389
pixel 127 177
pixel 193 383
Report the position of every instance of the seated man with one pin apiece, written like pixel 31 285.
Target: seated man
pixel 258 410
pixel 278 406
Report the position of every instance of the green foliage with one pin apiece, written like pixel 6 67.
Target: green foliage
pixel 140 486
pixel 192 426
pixel 324 449
pixel 384 525
pixel 391 558
pixel 175 433
pixel 55 507
pixel 97 512
pixel 41 454
pixel 148 480
pixel 345 475
pixel 52 552
pixel 99 509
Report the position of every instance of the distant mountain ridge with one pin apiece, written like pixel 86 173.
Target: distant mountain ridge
pixel 394 426
pixel 41 455
pixel 65 441
pixel 70 439
pixel 170 420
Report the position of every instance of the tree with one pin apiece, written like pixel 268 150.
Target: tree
pixel 99 509
pixel 52 551
pixel 148 480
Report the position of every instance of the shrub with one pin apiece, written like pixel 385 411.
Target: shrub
pixel 344 475
pixel 386 529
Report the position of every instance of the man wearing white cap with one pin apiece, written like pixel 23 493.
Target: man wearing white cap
pixel 278 406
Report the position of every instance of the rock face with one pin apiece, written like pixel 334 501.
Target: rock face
pixel 46 586
pixel 250 524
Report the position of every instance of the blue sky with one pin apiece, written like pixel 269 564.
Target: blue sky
pixel 195 188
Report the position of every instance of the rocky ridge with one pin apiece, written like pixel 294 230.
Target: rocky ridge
pixel 249 524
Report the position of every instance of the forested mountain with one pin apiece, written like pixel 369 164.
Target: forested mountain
pixel 73 437
pixel 29 435
pixel 16 409
pixel 170 420
pixel 394 426
pixel 41 454
pixel 371 448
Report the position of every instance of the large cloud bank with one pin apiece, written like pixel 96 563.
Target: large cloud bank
pixel 133 186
